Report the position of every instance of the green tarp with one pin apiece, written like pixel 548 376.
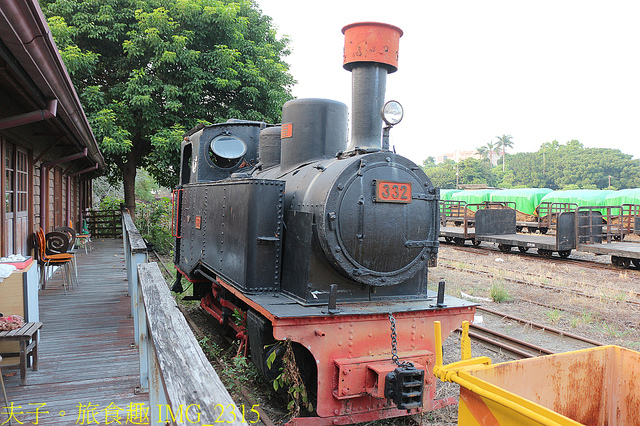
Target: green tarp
pixel 581 197
pixel 476 196
pixel 624 196
pixel 526 199
pixel 445 194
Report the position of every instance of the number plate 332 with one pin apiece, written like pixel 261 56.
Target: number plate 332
pixel 393 192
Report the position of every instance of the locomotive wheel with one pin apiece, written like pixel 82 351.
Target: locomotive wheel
pixel 564 253
pixel 475 242
pixel 504 248
pixel 458 241
pixel 523 249
pixel 636 263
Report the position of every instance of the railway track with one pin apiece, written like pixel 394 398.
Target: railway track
pixel 631 297
pixel 495 336
pixel 486 250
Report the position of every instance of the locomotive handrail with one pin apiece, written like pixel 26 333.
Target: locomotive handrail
pixel 175 209
pixel 183 387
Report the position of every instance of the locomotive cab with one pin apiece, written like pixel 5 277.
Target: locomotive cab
pixel 211 153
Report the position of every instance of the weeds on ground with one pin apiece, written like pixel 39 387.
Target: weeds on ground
pixel 634 345
pixel 210 348
pixel 499 293
pixel 586 317
pixel 553 316
pixel 291 380
pixel 611 330
pixel 574 322
pixel 619 296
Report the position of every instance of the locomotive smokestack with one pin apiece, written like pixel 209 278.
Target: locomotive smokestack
pixel 370 53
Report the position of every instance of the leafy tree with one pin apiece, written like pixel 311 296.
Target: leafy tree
pixel 442 175
pixel 469 171
pixel 554 166
pixel 429 162
pixel 505 142
pixel 558 166
pixel 148 70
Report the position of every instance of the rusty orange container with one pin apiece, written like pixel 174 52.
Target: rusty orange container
pixel 599 386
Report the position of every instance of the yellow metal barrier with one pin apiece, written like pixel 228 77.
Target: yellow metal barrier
pixel 596 386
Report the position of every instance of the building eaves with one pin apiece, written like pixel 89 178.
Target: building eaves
pixel 24 30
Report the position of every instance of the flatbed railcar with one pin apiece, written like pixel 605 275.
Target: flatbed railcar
pixel 499 227
pixel 457 219
pixel 294 238
pixel 603 234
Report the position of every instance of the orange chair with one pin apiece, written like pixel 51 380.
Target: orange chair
pixel 62 259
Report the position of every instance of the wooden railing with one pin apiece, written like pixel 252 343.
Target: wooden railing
pixel 183 387
pixel 104 223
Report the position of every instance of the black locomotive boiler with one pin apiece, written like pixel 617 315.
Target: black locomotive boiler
pixel 322 242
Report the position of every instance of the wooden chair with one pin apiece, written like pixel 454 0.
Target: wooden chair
pixel 45 260
pixel 55 245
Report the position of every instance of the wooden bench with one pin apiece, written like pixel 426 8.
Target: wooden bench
pixel 27 336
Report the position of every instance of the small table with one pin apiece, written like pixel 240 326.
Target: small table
pixel 84 240
pixel 27 335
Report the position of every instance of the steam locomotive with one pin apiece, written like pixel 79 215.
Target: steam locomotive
pixel 292 233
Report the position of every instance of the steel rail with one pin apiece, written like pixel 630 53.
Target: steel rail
pixel 548 286
pixel 588 263
pixel 517 347
pixel 542 327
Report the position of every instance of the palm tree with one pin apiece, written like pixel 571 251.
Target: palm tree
pixel 482 150
pixel 491 148
pixel 505 141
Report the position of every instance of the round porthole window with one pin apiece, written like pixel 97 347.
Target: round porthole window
pixel 227 151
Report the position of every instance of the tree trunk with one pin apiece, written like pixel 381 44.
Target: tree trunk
pixel 129 182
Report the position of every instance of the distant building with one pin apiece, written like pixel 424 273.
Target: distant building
pixel 458 156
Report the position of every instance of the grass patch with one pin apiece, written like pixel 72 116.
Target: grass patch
pixel 499 293
pixel 553 316
pixel 612 330
pixel 575 322
pixel 586 317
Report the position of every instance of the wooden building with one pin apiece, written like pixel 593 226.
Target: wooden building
pixel 49 155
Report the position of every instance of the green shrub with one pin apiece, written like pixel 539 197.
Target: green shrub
pixel 153 220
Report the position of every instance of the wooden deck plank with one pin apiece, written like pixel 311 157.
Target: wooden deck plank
pixel 85 353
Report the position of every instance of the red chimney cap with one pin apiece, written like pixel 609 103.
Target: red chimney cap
pixel 371 42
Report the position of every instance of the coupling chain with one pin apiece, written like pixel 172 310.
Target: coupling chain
pixel 394 344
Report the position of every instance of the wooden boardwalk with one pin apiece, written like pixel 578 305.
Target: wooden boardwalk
pixel 87 368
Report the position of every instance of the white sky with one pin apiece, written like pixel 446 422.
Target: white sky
pixel 473 70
